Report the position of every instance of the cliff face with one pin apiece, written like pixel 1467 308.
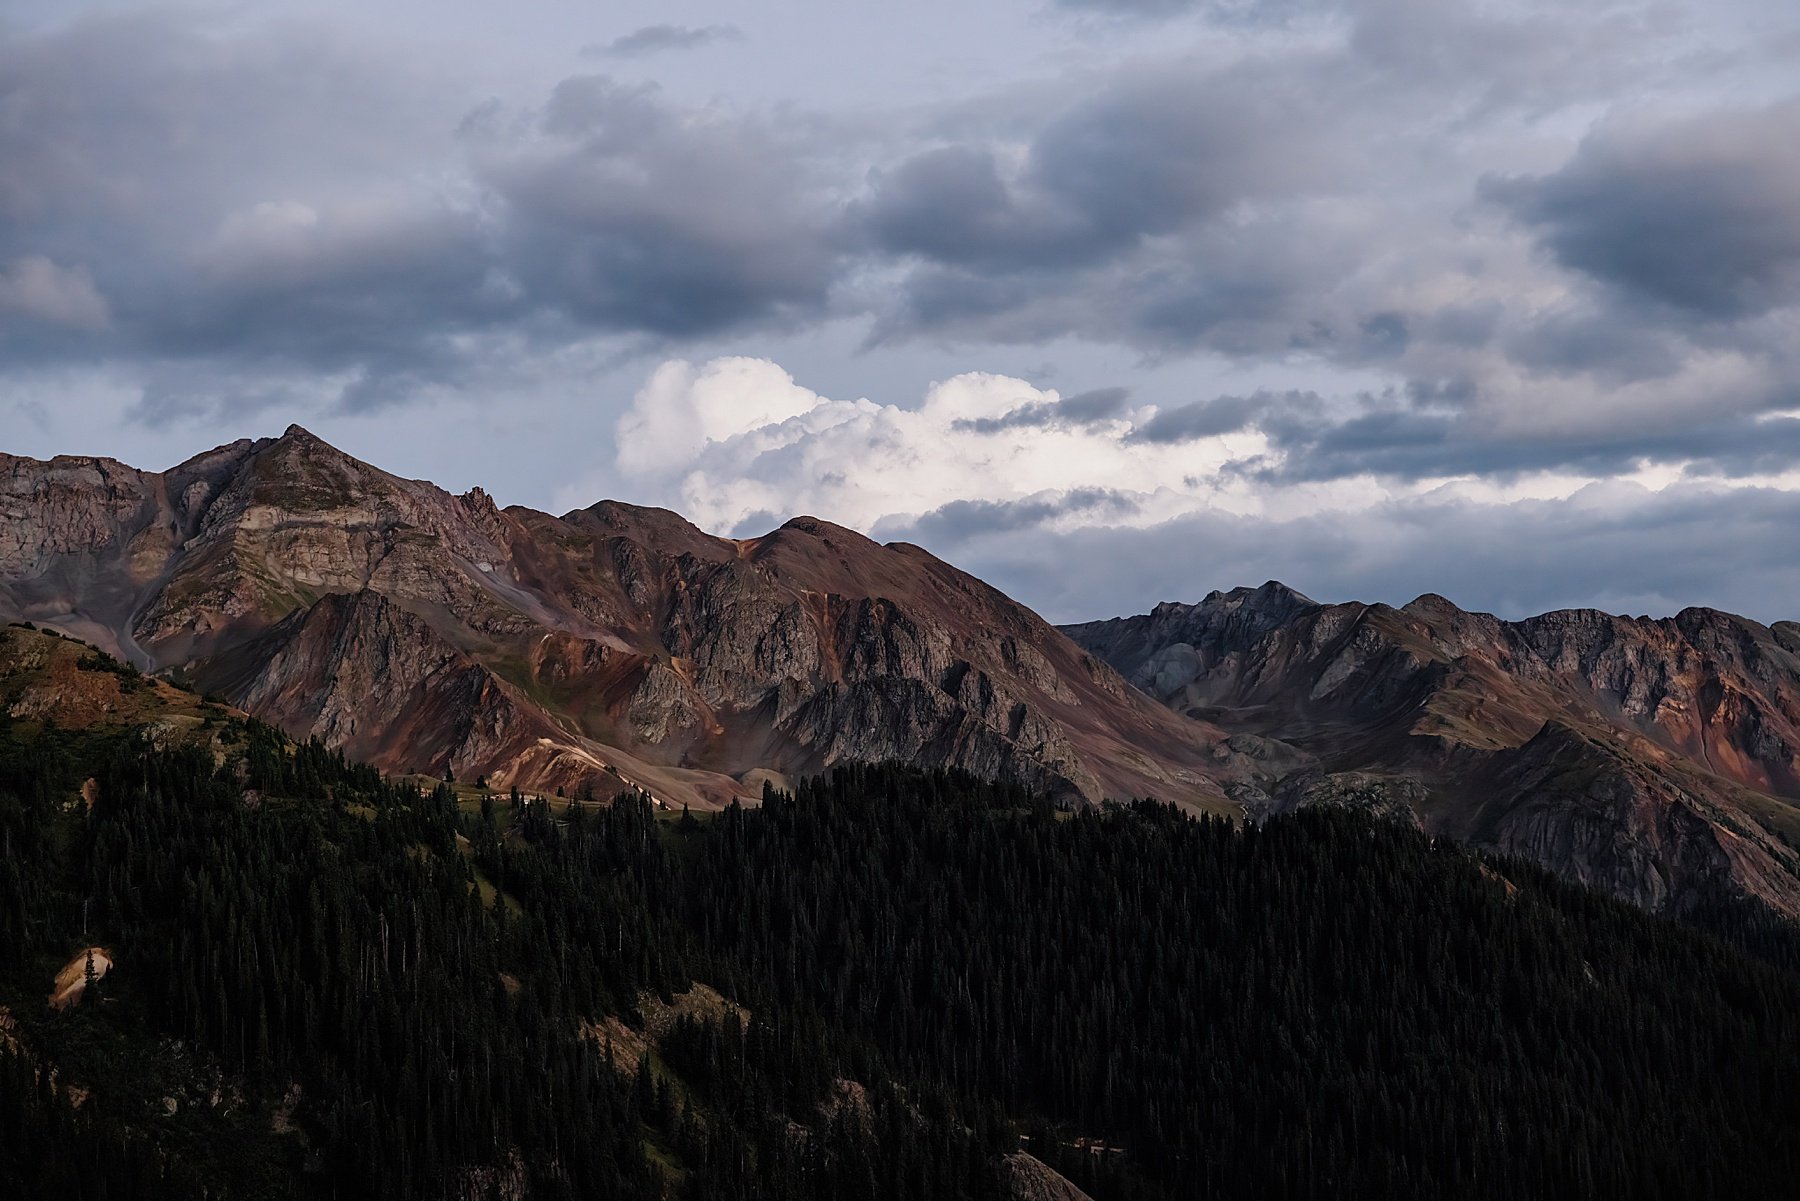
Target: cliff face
pixel 1655 758
pixel 426 631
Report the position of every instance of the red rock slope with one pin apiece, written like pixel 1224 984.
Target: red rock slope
pixel 1659 759
pixel 426 631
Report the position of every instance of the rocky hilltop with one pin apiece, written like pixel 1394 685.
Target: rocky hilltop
pixel 1659 759
pixel 611 646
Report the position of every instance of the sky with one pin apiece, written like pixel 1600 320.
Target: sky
pixel 1110 302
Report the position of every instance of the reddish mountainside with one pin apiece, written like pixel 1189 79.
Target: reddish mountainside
pixel 426 631
pixel 1659 759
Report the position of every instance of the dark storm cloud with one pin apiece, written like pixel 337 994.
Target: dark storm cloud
pixel 654 39
pixel 626 213
pixel 1083 408
pixel 1260 279
pixel 1425 431
pixel 1410 446
pixel 950 205
pixel 956 522
pixel 1250 208
pixel 291 210
pixel 281 206
pixel 1701 214
pixel 1097 404
pixel 1221 415
pixel 234 199
pixel 1151 154
pixel 1615 547
pixel 331 290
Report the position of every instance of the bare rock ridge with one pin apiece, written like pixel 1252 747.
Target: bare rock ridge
pixel 1030 1179
pixel 1658 759
pixel 612 645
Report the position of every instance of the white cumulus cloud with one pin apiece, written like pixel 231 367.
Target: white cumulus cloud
pixel 736 443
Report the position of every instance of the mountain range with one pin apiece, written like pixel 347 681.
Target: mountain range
pixel 621 647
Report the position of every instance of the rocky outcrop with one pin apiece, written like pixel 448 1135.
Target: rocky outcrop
pixel 1031 1179
pixel 1653 758
pixel 426 631
pixel 358 672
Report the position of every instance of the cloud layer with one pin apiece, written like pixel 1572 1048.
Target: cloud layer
pixel 1080 502
pixel 1430 257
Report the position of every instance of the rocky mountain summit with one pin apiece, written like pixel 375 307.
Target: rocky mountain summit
pixel 1658 759
pixel 611 646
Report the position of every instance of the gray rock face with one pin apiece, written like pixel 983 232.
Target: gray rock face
pixel 1031 1179
pixel 358 672
pixel 66 507
pixel 428 631
pixel 1653 758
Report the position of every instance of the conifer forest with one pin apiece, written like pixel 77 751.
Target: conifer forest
pixel 327 984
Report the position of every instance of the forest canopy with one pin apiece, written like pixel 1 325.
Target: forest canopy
pixel 329 983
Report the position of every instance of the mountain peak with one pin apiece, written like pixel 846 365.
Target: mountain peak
pixel 301 470
pixel 297 440
pixel 298 436
pixel 819 527
pixel 296 430
pixel 1430 604
pixel 1276 591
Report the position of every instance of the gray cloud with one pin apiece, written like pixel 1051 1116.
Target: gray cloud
pixel 1414 446
pixel 626 213
pixel 1166 206
pixel 961 520
pixel 1615 547
pixel 1083 408
pixel 295 209
pixel 1426 430
pixel 1295 200
pixel 1701 214
pixel 950 205
pixel 237 220
pixel 234 199
pixel 1151 154
pixel 1097 404
pixel 1221 415
pixel 1133 8
pixel 655 39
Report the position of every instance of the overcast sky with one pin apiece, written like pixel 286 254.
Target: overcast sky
pixel 1108 301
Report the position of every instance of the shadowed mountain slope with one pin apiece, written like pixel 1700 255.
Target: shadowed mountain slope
pixel 1659 759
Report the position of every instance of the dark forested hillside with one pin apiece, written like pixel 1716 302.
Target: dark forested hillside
pixel 1319 1006
pixel 327 984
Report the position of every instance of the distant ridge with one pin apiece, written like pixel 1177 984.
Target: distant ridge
pixel 1658 759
